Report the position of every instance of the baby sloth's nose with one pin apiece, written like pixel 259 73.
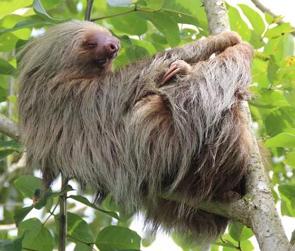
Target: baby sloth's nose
pixel 111 48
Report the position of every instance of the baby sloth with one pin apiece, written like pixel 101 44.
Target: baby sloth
pixel 169 125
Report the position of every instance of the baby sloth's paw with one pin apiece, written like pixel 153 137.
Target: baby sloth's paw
pixel 178 67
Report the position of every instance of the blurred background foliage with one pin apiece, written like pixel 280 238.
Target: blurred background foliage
pixel 29 222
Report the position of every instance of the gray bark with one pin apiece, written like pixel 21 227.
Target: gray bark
pixel 257 210
pixel 8 127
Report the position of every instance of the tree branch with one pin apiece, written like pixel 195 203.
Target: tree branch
pixel 217 16
pixel 88 10
pixel 260 213
pixel 264 9
pixel 236 210
pixel 8 127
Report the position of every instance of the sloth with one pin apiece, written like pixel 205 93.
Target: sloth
pixel 166 125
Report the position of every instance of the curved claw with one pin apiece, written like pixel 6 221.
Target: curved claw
pixel 175 68
pixel 172 71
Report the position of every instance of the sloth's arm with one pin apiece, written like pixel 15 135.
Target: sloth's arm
pixel 159 69
pixel 221 81
pixel 204 48
pixel 231 69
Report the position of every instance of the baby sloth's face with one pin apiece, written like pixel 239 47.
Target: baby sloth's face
pixel 99 48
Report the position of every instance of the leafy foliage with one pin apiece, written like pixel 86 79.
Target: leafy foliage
pixel 144 28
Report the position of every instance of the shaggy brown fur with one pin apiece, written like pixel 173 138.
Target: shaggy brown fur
pixel 126 134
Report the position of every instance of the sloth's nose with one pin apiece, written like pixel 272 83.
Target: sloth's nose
pixel 111 48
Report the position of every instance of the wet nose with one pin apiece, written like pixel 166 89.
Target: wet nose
pixel 111 48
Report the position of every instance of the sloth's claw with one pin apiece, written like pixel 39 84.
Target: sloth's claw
pixel 177 67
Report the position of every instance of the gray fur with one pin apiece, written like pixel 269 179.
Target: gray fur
pixel 122 133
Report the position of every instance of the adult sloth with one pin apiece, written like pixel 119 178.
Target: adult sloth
pixel 159 126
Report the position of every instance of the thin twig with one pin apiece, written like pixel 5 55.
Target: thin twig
pixel 88 10
pixel 264 9
pixel 51 213
pixel 115 15
pixel 63 214
pixel 143 10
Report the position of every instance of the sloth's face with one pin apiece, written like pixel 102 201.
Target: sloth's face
pixel 99 48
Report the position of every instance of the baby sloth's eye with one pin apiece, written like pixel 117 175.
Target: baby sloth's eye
pixel 91 45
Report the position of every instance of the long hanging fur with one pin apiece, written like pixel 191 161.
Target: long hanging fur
pixel 122 133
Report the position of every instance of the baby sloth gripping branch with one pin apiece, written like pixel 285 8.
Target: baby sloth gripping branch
pixel 170 124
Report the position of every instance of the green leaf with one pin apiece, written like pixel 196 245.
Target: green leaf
pixel 36 235
pixel 259 72
pixel 131 51
pixel 11 245
pixel 166 25
pixel 239 232
pixel 86 202
pixel 280 47
pixel 254 18
pixel 246 234
pixel 132 24
pixel 287 190
pixel 287 206
pixel 10 20
pixel 50 4
pixel 5 152
pixel 279 30
pixel 287 199
pixel 276 122
pixel 33 21
pixel 273 98
pixel 115 238
pixel 214 247
pixel 256 40
pixel 11 144
pixel 145 45
pixel 235 230
pixel 272 69
pixel 82 247
pixel 3 91
pixel 184 242
pixel 284 139
pixel 246 245
pixel 158 38
pixel 6 68
pixel 290 159
pixel 7 42
pixel 21 213
pixel 269 18
pixel 187 12
pixel 8 6
pixel 238 24
pixel 155 4
pixel 27 185
pixel 78 229
pixel 39 9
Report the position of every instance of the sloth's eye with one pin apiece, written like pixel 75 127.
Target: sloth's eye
pixel 91 45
